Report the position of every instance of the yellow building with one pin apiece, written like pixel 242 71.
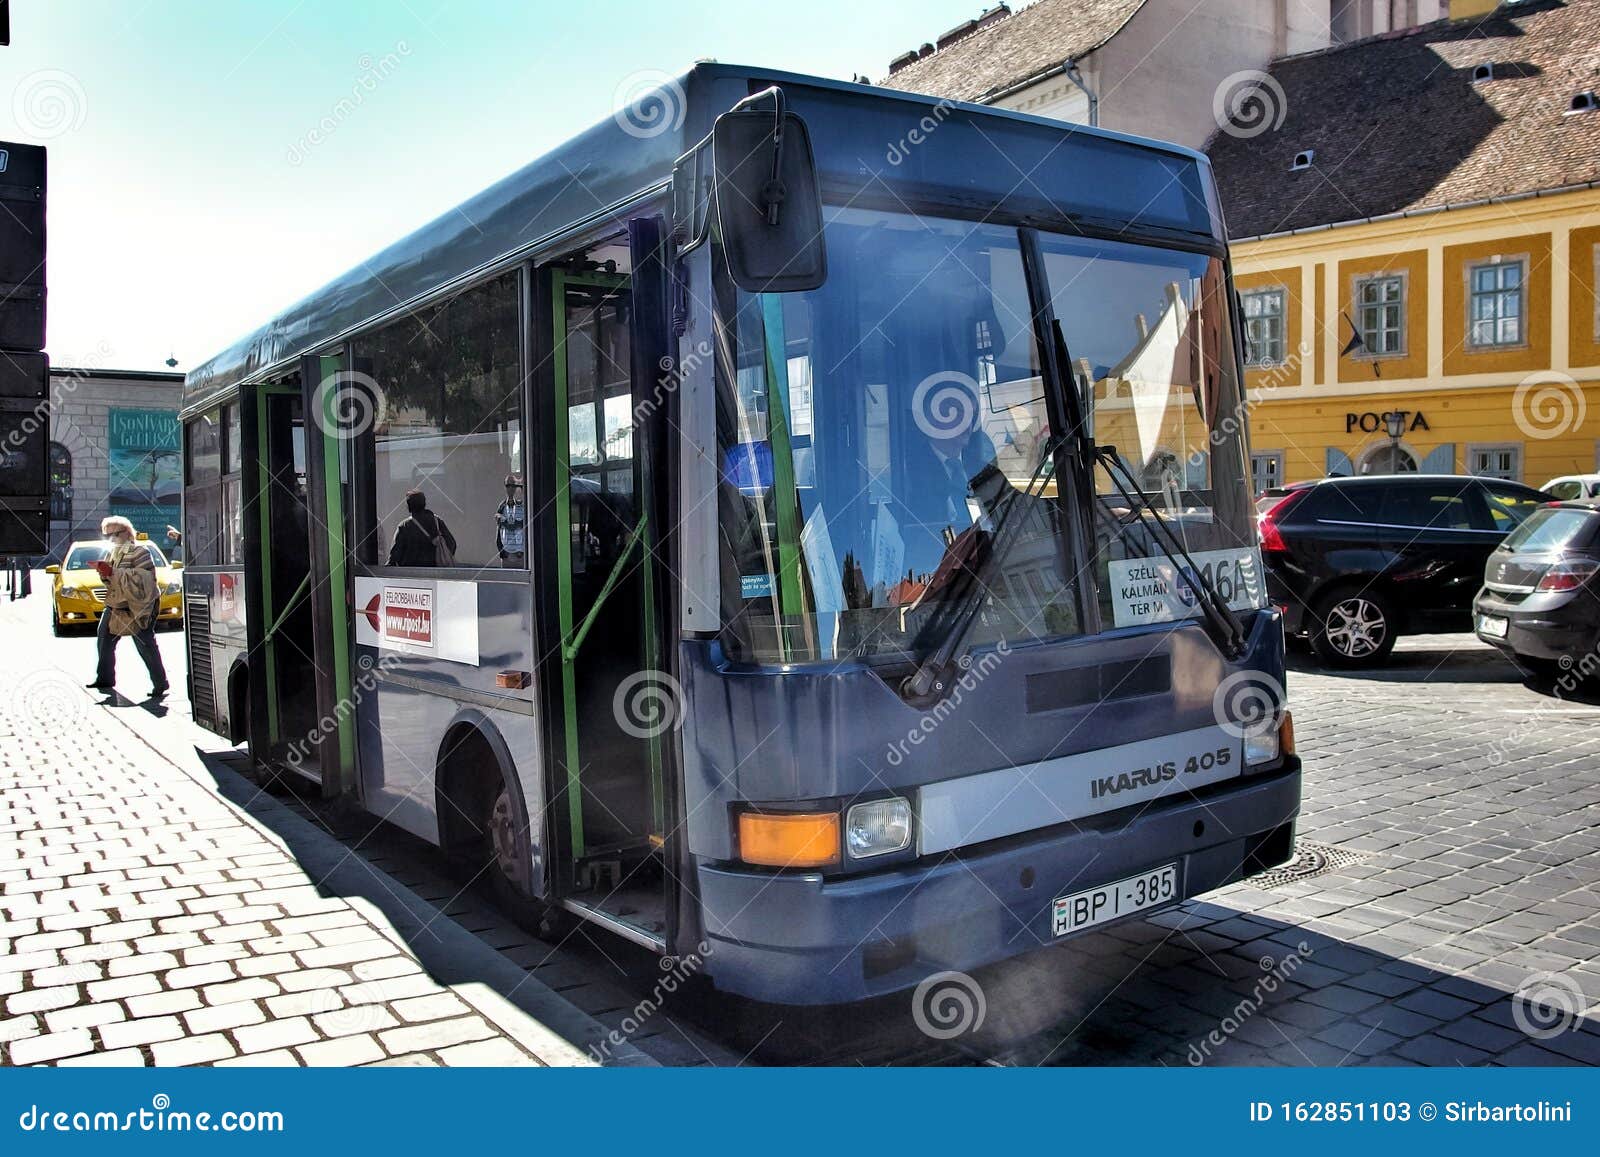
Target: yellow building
pixel 1416 244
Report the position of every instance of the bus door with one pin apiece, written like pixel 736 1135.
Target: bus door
pixel 283 708
pixel 326 670
pixel 616 707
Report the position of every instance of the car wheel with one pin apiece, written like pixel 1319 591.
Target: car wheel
pixel 1354 628
pixel 56 628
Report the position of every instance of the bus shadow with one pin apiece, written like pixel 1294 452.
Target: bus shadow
pixel 1173 991
pixel 1201 984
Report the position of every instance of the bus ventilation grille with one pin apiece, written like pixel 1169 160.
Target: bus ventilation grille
pixel 1310 860
pixel 202 688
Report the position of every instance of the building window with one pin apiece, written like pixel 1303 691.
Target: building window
pixel 1497 295
pixel 1381 307
pixel 1264 327
pixel 1500 461
pixel 60 483
pixel 1266 470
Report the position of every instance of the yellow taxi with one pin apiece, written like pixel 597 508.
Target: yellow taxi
pixel 78 593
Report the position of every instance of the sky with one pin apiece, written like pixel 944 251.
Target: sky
pixel 193 195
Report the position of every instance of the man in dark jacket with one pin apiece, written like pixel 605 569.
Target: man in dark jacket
pixel 415 539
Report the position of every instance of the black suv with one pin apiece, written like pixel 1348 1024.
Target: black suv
pixel 1356 562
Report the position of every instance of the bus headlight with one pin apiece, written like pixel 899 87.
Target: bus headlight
pixel 877 827
pixel 1267 746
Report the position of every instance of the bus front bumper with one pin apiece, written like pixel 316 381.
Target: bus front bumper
pixel 809 939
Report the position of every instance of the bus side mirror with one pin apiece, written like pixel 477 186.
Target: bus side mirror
pixel 768 199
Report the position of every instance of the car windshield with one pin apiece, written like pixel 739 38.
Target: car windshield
pixel 1551 531
pixel 84 557
pixel 872 434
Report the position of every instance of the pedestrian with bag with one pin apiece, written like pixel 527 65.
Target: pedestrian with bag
pixel 133 599
pixel 422 539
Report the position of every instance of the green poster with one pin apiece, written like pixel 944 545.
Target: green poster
pixel 146 468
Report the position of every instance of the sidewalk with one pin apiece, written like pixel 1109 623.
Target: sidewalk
pixel 147 919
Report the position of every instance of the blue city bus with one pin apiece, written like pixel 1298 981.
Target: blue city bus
pixel 796 524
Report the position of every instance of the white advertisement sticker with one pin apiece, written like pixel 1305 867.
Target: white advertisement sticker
pixel 1151 590
pixel 434 619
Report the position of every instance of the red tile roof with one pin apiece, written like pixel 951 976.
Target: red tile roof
pixel 1397 122
pixel 1030 42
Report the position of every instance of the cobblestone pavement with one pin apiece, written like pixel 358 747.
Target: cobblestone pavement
pixel 1450 916
pixel 146 920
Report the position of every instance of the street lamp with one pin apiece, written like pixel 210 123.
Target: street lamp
pixel 1395 423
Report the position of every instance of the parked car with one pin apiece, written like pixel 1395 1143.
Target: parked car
pixel 1573 487
pixel 78 593
pixel 1540 602
pixel 1357 562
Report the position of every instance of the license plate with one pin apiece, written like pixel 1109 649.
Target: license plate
pixel 1492 625
pixel 1109 901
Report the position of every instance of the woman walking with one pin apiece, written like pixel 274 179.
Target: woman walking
pixel 133 598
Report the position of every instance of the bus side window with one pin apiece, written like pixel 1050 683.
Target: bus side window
pixel 448 426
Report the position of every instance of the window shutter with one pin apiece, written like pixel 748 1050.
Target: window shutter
pixel 1440 460
pixel 1338 463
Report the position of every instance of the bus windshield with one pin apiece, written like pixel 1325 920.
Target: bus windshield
pixel 873 432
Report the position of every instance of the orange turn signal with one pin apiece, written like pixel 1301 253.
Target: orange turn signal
pixel 1286 736
pixel 789 839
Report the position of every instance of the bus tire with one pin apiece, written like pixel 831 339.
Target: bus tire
pixel 1354 627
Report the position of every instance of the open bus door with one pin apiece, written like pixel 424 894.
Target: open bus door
pixel 281 710
pixel 615 702
pixel 327 670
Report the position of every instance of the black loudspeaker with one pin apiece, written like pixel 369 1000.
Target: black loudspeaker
pixel 24 456
pixel 24 376
pixel 22 188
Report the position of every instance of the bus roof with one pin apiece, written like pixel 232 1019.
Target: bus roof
pixel 867 140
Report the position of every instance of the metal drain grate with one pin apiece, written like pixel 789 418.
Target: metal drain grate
pixel 1310 860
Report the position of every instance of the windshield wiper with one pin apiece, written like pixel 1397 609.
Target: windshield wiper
pixel 930 677
pixel 1223 625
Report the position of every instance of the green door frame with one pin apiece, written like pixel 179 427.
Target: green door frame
pixel 572 633
pixel 326 422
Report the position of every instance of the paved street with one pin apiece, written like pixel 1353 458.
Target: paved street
pixel 148 920
pixel 157 909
